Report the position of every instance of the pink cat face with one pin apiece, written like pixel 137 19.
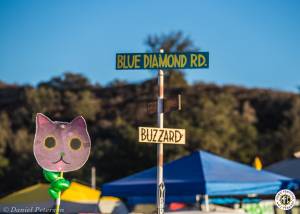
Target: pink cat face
pixel 61 146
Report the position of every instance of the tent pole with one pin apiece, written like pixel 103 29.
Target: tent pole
pixel 198 205
pixel 206 199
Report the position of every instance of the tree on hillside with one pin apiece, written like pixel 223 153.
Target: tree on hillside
pixel 83 103
pixel 281 143
pixel 173 42
pixel 216 124
pixel 5 139
pixel 290 132
pixel 69 81
pixel 43 99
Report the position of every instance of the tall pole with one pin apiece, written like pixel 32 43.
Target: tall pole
pixel 206 199
pixel 160 194
pixel 93 177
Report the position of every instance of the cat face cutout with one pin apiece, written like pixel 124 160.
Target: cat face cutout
pixel 61 146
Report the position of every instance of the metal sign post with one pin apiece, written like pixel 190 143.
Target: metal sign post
pixel 161 60
pixel 160 196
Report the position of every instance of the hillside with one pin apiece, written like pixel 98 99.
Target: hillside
pixel 234 122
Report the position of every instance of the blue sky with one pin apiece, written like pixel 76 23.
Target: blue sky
pixel 254 43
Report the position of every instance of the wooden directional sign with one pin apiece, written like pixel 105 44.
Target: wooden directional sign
pixel 161 135
pixel 186 60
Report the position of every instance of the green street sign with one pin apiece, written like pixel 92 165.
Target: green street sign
pixel 186 60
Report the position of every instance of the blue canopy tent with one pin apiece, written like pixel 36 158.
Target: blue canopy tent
pixel 287 167
pixel 200 173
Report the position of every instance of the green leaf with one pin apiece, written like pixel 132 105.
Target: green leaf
pixel 50 176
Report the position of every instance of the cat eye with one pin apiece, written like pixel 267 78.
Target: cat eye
pixel 75 143
pixel 50 142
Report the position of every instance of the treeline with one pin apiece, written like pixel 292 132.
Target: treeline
pixel 234 122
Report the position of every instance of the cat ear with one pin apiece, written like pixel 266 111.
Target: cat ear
pixel 42 119
pixel 79 121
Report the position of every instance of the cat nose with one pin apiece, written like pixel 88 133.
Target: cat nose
pixel 62 154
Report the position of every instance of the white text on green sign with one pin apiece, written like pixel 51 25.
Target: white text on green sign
pixel 161 135
pixel 188 60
